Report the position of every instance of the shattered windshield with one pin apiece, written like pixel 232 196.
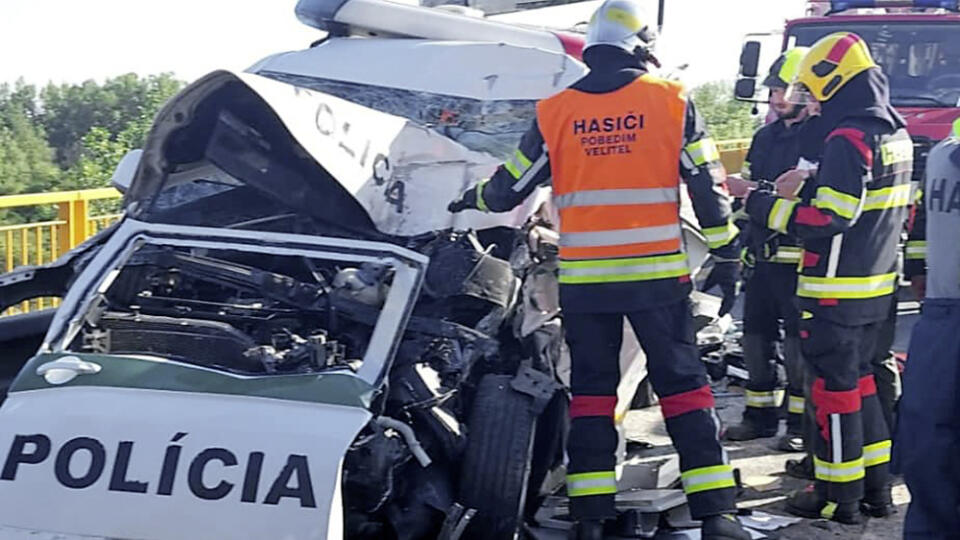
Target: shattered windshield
pixel 491 126
pixel 922 60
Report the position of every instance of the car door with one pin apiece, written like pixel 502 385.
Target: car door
pixel 139 445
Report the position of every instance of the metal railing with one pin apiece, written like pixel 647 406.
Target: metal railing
pixel 43 241
pixel 733 153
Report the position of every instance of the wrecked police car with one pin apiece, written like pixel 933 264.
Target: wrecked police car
pixel 286 336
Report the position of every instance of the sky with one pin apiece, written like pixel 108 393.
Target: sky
pixel 75 40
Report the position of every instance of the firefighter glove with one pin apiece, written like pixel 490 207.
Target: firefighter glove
pixel 467 201
pixel 726 275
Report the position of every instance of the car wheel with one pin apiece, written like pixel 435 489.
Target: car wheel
pixel 496 464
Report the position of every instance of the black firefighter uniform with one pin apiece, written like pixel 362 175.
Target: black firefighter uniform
pixel 614 147
pixel 771 292
pixel 850 231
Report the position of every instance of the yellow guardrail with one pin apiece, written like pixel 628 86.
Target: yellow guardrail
pixel 41 242
pixel 733 153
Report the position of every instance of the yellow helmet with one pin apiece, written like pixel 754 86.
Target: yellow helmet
pixel 830 64
pixel 784 70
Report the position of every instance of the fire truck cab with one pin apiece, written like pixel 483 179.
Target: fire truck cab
pixel 916 42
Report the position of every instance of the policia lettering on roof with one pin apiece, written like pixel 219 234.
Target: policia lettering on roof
pixel 621 255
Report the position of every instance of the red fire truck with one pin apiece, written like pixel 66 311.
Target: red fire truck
pixel 917 43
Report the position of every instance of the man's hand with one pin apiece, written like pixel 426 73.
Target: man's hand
pixel 467 201
pixel 739 187
pixel 918 284
pixel 726 275
pixel 790 183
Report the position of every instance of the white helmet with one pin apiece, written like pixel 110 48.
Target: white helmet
pixel 620 23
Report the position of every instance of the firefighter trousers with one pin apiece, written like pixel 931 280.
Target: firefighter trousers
pixel 852 442
pixel 885 368
pixel 678 377
pixel 928 424
pixel 771 318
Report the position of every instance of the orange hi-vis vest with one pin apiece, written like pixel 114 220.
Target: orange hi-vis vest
pixel 615 163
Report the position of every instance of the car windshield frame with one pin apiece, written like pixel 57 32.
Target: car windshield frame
pixel 916 59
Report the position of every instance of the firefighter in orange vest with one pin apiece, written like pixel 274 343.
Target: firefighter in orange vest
pixel 614 146
pixel 850 232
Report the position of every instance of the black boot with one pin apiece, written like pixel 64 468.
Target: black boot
pixel 723 527
pixel 791 442
pixel 800 468
pixel 588 529
pixel 878 503
pixel 748 430
pixel 809 504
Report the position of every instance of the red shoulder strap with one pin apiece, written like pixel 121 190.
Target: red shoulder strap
pixel 857 138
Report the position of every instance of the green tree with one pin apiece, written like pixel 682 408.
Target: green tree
pixel 123 107
pixel 726 117
pixel 25 157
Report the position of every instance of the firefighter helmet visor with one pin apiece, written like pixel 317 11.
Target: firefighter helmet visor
pixel 799 94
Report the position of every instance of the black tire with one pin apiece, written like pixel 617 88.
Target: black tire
pixel 496 464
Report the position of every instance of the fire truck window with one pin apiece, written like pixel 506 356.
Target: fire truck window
pixel 922 60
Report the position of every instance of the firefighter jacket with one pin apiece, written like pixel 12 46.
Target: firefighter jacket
pixel 915 249
pixel 775 149
pixel 614 147
pixel 851 227
pixel 940 220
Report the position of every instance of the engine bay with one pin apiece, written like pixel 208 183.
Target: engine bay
pixel 213 310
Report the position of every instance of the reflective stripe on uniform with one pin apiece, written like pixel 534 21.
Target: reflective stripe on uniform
pixel 531 172
pixel 828 510
pixel 896 152
pixel 780 214
pixel 877 453
pixel 638 235
pixel 844 205
pixel 718 237
pixel 848 471
pixel 628 20
pixel 796 405
pixel 517 165
pixel 917 249
pixel 619 270
pixel 707 478
pixel 891 197
pixel 592 483
pixel 703 151
pixel 611 197
pixel 846 287
pixel 482 204
pixel 745 171
pixel 787 254
pixel 764 400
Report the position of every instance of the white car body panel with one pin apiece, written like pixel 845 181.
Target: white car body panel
pixel 200 443
pixel 347 139
pixel 150 420
pixel 387 18
pixel 497 71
